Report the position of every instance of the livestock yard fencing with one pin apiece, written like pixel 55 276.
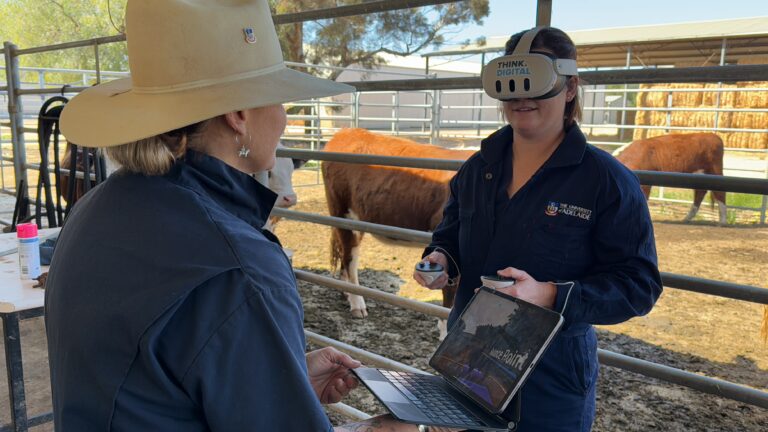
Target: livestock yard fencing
pixel 665 373
pixel 454 113
pixel 431 91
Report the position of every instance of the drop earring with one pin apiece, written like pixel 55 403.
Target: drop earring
pixel 243 153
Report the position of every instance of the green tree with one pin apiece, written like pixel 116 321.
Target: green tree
pixel 33 23
pixel 359 39
pixel 335 42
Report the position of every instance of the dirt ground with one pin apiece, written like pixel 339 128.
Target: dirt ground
pixel 704 334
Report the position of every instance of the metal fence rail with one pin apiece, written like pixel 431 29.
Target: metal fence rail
pixel 709 74
pixel 653 178
pixel 701 383
pixel 360 354
pixel 356 9
pixel 395 300
pixel 431 127
pixel 318 14
pixel 348 411
pixel 687 283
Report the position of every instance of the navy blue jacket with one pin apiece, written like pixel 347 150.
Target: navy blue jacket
pixel 582 222
pixel 168 309
pixel 582 217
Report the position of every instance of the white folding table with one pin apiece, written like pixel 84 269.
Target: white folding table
pixel 19 300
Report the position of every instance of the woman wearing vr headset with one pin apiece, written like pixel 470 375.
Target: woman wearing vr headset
pixel 564 219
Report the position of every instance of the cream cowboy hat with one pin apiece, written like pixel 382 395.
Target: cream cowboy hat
pixel 190 60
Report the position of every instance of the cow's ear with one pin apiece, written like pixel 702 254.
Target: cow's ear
pixel 298 163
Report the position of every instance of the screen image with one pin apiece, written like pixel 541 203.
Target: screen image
pixel 492 345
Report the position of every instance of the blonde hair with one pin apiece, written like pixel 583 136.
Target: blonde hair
pixel 157 154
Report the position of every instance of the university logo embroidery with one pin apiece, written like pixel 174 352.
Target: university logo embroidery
pixel 555 208
pixel 551 208
pixel 250 36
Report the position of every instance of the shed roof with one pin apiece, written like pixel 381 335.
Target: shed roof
pixel 690 43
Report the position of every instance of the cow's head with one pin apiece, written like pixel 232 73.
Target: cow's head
pixel 280 181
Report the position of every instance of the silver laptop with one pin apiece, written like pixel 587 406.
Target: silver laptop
pixel 482 363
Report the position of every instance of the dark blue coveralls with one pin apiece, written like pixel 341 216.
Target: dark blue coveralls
pixel 168 309
pixel 581 218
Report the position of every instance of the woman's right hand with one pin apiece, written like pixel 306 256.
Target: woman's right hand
pixel 440 281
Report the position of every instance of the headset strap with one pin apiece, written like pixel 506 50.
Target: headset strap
pixel 524 45
pixel 562 66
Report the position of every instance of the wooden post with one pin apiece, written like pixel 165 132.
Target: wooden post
pixel 544 13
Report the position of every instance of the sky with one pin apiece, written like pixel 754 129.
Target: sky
pixel 510 16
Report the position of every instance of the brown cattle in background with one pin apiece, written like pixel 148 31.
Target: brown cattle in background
pixel 697 153
pixel 403 197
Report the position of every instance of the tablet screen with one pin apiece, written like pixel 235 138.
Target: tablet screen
pixel 489 349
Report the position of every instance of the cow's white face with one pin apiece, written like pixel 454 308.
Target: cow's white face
pixel 280 182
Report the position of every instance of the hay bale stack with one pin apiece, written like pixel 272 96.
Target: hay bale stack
pixel 654 98
pixel 753 99
pixel 727 98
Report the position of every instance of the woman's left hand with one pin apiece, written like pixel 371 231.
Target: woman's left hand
pixel 328 370
pixel 529 289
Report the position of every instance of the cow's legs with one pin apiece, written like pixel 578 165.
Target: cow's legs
pixel 442 327
pixel 719 197
pixel 697 198
pixel 356 302
pixel 348 243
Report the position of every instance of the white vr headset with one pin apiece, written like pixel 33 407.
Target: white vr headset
pixel 526 75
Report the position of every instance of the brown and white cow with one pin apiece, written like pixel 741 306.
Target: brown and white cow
pixel 280 180
pixel 698 153
pixel 402 197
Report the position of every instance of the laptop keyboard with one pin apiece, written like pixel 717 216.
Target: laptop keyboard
pixel 439 406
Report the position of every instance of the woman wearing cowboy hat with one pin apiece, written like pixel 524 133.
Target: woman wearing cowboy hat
pixel 167 307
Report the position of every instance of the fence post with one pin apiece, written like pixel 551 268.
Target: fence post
pixel 318 133
pixel 765 197
pixel 16 114
pixel 482 92
pixel 356 109
pixel 435 132
pixel 393 127
pixel 670 95
pixel 426 99
pixel 41 82
pixel 622 130
pixel 98 62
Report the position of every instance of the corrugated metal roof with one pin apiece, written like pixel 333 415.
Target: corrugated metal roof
pixel 718 29
pixel 689 42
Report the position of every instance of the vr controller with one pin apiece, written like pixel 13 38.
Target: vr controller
pixel 496 281
pixel 525 74
pixel 429 271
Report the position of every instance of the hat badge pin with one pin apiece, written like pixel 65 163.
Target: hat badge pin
pixel 250 36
